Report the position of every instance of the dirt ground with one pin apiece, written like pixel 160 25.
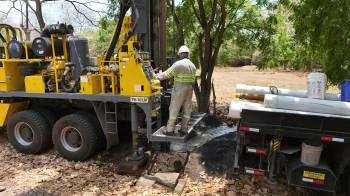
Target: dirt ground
pixel 49 174
pixel 226 78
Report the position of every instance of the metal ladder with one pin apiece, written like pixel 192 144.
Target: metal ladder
pixel 256 149
pixel 111 119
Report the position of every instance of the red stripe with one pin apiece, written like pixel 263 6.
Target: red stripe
pixel 260 151
pixel 321 182
pixel 244 129
pixel 326 138
pixel 259 173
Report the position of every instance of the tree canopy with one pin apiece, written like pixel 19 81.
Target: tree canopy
pixel 322 27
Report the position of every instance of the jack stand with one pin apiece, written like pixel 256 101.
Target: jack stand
pixel 274 147
pixel 135 163
pixel 233 173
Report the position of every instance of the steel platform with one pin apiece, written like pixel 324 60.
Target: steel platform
pixel 158 136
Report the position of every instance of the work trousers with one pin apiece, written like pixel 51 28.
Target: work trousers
pixel 181 98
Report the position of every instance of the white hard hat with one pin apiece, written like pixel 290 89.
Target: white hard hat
pixel 184 49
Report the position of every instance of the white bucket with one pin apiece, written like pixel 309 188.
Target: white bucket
pixel 316 85
pixel 311 154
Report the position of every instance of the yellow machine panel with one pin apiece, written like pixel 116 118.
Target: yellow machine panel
pixel 133 81
pixel 34 84
pixel 11 78
pixel 90 84
pixel 7 109
pixel 2 75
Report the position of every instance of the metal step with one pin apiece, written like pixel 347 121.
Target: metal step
pixel 197 141
pixel 158 136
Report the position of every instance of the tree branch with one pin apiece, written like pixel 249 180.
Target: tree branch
pixel 202 13
pixel 81 13
pixel 195 10
pixel 235 12
pixel 84 4
pixel 213 14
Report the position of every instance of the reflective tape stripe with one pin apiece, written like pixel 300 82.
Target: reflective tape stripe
pixel 187 116
pixel 185 78
pixel 172 117
pixel 184 81
pixel 181 75
pixel 170 73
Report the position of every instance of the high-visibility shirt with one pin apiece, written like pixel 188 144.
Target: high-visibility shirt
pixel 183 71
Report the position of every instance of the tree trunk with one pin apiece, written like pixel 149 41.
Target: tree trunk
pixel 203 103
pixel 180 39
pixel 39 14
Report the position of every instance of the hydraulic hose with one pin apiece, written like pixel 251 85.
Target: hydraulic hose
pixel 136 20
pixel 11 29
pixel 124 7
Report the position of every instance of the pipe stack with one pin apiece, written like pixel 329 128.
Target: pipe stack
pixel 250 92
pixel 313 100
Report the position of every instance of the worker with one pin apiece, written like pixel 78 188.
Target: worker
pixel 184 73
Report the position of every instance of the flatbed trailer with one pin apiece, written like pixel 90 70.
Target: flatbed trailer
pixel 269 143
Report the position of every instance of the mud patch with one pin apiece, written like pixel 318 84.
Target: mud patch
pixel 212 121
pixel 217 155
pixel 169 162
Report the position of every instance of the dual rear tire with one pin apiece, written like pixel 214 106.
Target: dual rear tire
pixel 76 136
pixel 29 132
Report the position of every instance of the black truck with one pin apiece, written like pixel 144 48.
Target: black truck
pixel 269 143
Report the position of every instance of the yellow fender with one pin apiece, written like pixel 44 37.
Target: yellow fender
pixel 8 109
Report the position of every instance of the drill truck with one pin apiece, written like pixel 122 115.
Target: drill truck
pixel 53 92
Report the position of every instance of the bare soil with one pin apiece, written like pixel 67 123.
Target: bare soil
pixel 226 78
pixel 49 174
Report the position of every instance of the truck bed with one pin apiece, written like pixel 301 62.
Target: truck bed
pixel 72 96
pixel 297 124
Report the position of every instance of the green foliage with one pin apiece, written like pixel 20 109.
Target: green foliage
pixel 322 27
pixel 243 27
pixel 296 34
pixel 278 45
pixel 99 40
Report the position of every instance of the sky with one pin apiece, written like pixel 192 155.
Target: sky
pixel 55 11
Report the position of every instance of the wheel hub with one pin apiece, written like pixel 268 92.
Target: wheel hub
pixel 24 133
pixel 71 139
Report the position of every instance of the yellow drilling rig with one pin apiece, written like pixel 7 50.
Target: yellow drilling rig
pixel 53 92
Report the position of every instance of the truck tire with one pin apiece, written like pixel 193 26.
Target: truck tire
pixel 101 144
pixel 48 115
pixel 29 132
pixel 75 137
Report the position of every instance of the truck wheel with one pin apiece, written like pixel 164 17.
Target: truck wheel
pixel 101 144
pixel 75 137
pixel 29 132
pixel 48 115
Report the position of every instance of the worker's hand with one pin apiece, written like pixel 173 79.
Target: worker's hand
pixel 157 76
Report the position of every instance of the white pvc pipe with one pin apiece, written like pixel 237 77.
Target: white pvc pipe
pixel 236 108
pixel 258 92
pixel 307 105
